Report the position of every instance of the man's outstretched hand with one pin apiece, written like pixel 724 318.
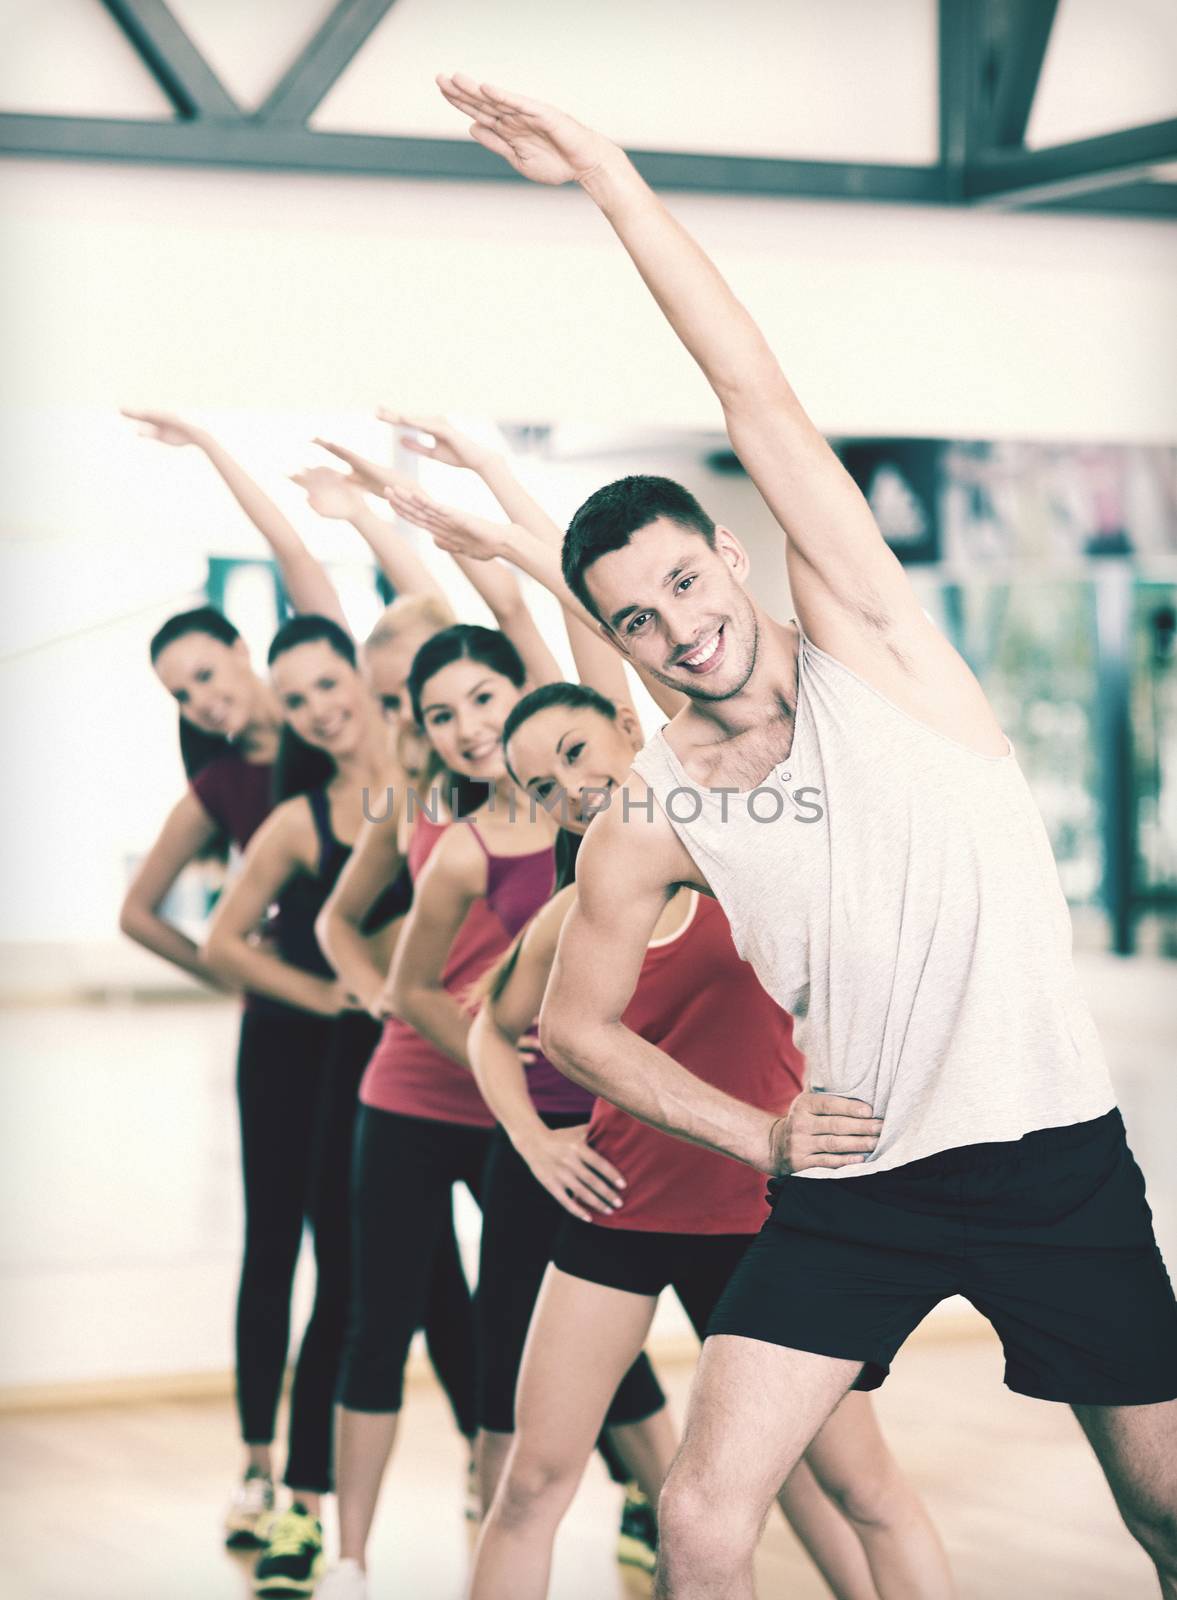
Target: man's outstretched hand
pixel 541 143
pixel 822 1130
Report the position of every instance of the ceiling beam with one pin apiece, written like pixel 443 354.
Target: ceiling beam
pixel 302 87
pixel 249 142
pixel 173 60
pixel 958 56
pixel 1027 34
pixel 1035 177
pixel 1129 200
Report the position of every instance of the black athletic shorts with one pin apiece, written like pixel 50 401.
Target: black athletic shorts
pixel 1049 1236
pixel 696 1266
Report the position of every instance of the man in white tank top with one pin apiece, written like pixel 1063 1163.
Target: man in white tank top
pixel 842 786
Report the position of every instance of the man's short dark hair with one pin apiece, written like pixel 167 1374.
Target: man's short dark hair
pixel 609 519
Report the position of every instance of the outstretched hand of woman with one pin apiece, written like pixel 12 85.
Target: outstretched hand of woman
pixel 460 533
pixel 331 493
pixel 373 477
pixel 450 446
pixel 167 428
pixel 572 1172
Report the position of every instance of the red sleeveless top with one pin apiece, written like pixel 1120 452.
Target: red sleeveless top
pixel 700 1003
pixel 409 1075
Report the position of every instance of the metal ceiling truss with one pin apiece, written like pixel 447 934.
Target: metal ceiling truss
pixel 991 54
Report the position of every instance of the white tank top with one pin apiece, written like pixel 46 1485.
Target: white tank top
pixel 897 893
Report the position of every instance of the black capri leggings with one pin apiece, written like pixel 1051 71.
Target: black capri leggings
pixel 297 1080
pixel 403 1173
pixel 520 1221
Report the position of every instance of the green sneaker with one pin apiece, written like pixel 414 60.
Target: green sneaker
pixel 637 1539
pixel 293 1558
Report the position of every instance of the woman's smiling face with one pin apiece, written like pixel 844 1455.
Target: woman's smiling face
pixel 212 682
pixel 463 708
pixel 572 758
pixel 322 696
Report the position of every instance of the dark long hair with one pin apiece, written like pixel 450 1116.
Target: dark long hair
pixel 579 697
pixel 197 748
pixel 301 767
pixel 576 696
pixel 465 641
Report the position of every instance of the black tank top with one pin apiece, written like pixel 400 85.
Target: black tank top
pixel 305 896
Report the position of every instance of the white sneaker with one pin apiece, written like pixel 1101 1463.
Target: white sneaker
pixel 249 1511
pixel 347 1580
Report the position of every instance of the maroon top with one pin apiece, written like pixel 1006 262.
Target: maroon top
pixel 237 795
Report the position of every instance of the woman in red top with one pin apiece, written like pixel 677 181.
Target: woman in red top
pixel 650 1212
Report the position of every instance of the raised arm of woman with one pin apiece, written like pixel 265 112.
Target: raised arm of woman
pixel 344 497
pixel 310 589
pixel 491 580
pixel 531 542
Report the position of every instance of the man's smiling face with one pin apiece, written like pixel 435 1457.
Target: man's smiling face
pixel 678 607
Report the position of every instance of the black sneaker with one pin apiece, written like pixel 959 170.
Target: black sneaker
pixel 637 1540
pixel 293 1558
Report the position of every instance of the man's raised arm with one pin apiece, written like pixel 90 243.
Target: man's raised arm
pixel 850 592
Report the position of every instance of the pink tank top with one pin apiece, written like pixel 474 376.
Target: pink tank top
pixel 409 1075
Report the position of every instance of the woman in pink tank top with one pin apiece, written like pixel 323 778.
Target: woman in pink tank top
pixel 422 1125
pixel 645 1211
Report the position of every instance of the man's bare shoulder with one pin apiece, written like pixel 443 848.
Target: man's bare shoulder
pixel 633 839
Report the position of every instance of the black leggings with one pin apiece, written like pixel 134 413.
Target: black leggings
pixel 403 1173
pixel 520 1221
pixel 297 1079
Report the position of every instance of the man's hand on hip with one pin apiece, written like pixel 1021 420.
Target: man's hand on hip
pixel 822 1130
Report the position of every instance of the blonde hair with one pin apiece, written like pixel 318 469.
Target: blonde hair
pixel 412 611
pixel 409 611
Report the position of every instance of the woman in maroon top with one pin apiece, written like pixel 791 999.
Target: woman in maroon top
pixel 648 1212
pixel 230 725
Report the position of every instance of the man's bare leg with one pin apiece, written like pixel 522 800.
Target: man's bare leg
pixel 1137 1449
pixel 754 1410
pixel 852 1463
